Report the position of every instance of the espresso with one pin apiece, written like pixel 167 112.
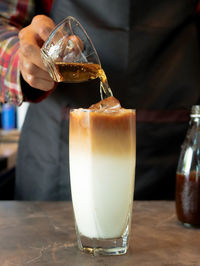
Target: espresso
pixel 188 198
pixel 77 72
pixel 81 72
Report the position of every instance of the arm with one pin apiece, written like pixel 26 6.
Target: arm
pixel 14 15
pixel 11 20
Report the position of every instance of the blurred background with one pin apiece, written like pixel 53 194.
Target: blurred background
pixel 11 122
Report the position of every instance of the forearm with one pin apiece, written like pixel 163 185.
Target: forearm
pixel 14 15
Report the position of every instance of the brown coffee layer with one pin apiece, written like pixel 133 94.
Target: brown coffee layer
pixel 106 131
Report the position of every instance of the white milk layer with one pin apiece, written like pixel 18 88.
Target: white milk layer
pixel 102 193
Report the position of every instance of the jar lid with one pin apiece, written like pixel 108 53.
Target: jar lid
pixel 195 111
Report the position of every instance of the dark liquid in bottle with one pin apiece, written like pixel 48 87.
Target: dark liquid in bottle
pixel 188 198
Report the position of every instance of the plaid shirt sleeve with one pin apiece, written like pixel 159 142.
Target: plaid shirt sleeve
pixel 15 14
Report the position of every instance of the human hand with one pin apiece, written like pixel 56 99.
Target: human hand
pixel 31 39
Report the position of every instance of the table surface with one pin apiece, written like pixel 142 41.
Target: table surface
pixel 42 233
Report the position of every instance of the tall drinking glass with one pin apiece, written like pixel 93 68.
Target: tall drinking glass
pixel 102 170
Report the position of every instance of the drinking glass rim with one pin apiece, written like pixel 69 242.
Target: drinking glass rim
pixel 87 110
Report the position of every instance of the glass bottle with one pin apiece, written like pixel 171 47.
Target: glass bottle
pixel 188 174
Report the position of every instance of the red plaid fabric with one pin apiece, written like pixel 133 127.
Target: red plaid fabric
pixel 14 14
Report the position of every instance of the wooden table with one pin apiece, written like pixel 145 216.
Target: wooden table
pixel 42 233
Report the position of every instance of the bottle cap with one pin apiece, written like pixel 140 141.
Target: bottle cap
pixel 195 111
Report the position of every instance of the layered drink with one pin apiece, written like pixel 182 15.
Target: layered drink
pixel 102 170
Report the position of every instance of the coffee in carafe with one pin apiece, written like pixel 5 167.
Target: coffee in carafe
pixel 188 174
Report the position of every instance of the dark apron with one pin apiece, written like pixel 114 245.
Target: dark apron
pixel 150 53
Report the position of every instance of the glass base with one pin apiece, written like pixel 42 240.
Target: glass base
pixel 95 247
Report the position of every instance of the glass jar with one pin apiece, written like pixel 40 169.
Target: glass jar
pixel 188 174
